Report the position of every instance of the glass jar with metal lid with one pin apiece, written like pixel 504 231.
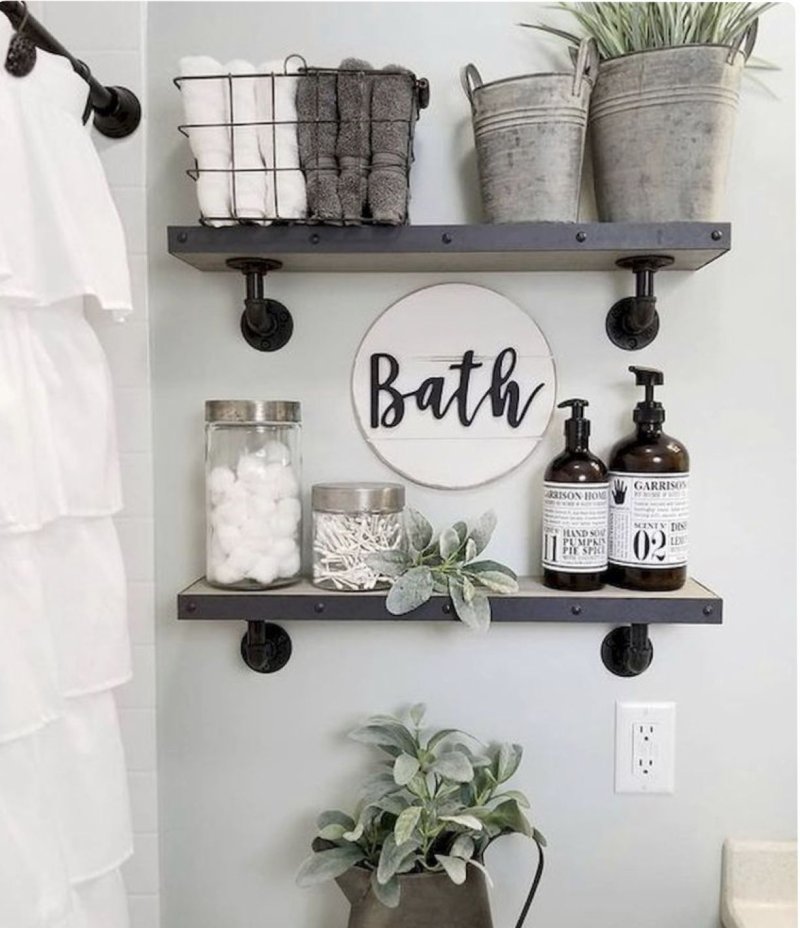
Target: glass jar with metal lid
pixel 352 521
pixel 253 510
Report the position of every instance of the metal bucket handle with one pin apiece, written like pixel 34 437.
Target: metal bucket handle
pixel 471 80
pixel 586 64
pixel 748 37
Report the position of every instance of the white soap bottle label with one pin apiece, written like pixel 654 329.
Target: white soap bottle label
pixel 575 527
pixel 648 519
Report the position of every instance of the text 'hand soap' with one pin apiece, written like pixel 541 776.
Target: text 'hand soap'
pixel 575 511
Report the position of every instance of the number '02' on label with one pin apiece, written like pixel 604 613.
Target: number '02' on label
pixel 575 527
pixel 648 522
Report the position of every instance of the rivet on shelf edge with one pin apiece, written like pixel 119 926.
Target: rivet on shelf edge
pixel 576 610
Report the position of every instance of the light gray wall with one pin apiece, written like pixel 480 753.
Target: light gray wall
pixel 247 761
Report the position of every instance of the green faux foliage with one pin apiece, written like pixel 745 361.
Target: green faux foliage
pixel 622 28
pixel 446 563
pixel 434 805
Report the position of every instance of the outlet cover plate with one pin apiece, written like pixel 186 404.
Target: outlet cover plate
pixel 645 747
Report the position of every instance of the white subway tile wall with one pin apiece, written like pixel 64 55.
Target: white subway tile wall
pixel 109 37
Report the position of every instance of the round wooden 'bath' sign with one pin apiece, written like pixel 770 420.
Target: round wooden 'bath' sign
pixel 453 386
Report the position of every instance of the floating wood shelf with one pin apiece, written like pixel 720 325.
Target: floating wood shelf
pixel 626 651
pixel 525 246
pixel 695 604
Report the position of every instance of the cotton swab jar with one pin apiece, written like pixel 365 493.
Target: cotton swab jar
pixel 350 522
pixel 253 509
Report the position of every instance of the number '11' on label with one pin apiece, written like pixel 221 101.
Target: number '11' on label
pixel 575 527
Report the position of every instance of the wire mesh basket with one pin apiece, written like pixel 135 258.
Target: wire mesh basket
pixel 303 145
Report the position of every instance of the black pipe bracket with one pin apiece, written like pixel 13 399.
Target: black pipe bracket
pixel 266 325
pixel 632 323
pixel 265 647
pixel 627 651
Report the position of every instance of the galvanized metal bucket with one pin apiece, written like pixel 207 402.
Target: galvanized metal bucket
pixel 661 125
pixel 427 900
pixel 529 138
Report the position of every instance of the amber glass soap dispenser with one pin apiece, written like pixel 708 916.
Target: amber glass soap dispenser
pixel 648 500
pixel 575 511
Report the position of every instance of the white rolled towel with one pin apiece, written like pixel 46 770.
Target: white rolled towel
pixel 206 107
pixel 277 139
pixel 247 179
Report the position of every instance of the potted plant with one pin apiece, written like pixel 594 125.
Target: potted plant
pixel 412 853
pixel 428 563
pixel 664 105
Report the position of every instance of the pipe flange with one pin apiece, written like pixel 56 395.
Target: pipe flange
pixel 276 330
pixel 265 647
pixel 618 324
pixel 625 656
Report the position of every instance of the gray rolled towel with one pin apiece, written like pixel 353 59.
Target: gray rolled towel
pixel 393 108
pixel 354 89
pixel 316 139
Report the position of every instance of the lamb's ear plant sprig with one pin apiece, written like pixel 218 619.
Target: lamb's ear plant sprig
pixel 437 801
pixel 621 28
pixel 427 564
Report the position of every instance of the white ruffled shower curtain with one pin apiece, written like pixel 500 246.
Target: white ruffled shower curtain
pixel 64 811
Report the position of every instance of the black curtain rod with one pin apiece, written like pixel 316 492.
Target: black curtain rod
pixel 117 112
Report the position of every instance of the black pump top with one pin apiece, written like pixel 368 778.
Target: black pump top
pixel 648 412
pixel 576 428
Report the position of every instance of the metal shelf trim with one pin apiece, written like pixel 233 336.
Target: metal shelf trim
pixel 695 604
pixel 524 246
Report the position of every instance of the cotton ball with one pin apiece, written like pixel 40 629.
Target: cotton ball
pixel 255 529
pixel 277 453
pixel 290 565
pixel 283 526
pixel 220 480
pixel 228 574
pixel 226 537
pixel 287 484
pixel 281 548
pixel 290 508
pixel 261 506
pixel 250 468
pixel 264 571
pixel 229 513
pixel 273 472
pixel 242 558
pixel 236 493
pixel 216 553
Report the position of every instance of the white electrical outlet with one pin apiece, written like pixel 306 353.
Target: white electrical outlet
pixel 645 754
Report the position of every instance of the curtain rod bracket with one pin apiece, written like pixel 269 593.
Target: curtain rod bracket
pixel 117 109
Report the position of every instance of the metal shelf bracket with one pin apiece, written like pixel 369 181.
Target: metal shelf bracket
pixel 267 325
pixel 627 651
pixel 632 323
pixel 265 647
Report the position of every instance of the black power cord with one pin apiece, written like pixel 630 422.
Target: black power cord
pixel 534 886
